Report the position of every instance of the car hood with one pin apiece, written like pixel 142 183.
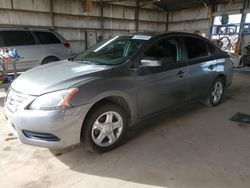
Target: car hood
pixel 57 76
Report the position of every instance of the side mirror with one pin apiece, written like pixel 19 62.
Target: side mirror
pixel 147 62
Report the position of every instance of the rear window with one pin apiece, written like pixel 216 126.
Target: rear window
pixel 16 38
pixel 47 38
pixel 196 48
pixel 211 48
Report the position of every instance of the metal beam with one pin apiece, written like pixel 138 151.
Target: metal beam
pixel 12 4
pixel 102 20
pixel 243 17
pixel 211 18
pixel 167 16
pixel 149 2
pixel 86 39
pixel 52 13
pixel 137 15
pixel 190 20
pixel 239 43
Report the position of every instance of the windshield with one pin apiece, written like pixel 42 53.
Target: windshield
pixel 112 52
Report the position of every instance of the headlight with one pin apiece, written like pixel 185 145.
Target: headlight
pixel 54 100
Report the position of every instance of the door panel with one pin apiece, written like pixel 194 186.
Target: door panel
pixel 200 78
pixel 165 85
pixel 160 90
pixel 202 67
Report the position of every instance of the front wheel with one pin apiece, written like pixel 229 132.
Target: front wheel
pixel 105 128
pixel 216 93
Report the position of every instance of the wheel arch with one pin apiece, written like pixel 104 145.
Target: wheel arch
pixel 50 56
pixel 113 99
pixel 223 77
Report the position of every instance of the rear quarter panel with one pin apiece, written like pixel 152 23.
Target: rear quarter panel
pixel 56 50
pixel 225 67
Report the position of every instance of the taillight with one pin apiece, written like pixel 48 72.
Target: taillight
pixel 66 44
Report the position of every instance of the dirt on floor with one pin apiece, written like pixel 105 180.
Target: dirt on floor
pixel 193 146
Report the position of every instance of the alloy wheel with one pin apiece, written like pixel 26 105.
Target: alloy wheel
pixel 217 92
pixel 107 129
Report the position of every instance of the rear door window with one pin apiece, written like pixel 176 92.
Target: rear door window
pixel 47 38
pixel 211 48
pixel 196 48
pixel 16 38
pixel 166 50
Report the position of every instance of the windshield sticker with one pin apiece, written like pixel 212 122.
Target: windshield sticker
pixel 141 37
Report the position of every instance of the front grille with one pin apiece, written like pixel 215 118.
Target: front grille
pixel 15 99
pixel 41 136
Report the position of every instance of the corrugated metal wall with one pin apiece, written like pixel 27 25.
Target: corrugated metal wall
pixel 200 18
pixel 68 18
pixel 189 20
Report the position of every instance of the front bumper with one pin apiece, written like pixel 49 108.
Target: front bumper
pixel 65 124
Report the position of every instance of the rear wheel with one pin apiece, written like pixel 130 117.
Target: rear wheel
pixel 216 93
pixel 245 61
pixel 105 128
pixel 49 60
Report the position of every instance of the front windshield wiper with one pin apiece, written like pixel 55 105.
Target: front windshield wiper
pixel 91 62
pixel 87 61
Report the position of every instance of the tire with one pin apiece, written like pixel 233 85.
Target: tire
pixel 246 61
pixel 241 63
pixel 216 93
pixel 105 128
pixel 49 60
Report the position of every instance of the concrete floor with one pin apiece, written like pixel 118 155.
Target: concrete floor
pixel 194 146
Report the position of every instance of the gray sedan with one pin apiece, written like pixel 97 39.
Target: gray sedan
pixel 113 85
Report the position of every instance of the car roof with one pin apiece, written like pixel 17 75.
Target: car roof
pixel 159 34
pixel 172 33
pixel 25 29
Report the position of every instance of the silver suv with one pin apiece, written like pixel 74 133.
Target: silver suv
pixel 36 46
pixel 112 85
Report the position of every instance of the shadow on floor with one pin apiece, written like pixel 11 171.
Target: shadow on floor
pixel 143 158
pixel 244 70
pixel 2 101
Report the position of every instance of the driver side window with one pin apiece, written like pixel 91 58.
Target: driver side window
pixel 166 51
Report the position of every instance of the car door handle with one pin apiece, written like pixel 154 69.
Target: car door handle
pixel 134 69
pixel 181 74
pixel 211 67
